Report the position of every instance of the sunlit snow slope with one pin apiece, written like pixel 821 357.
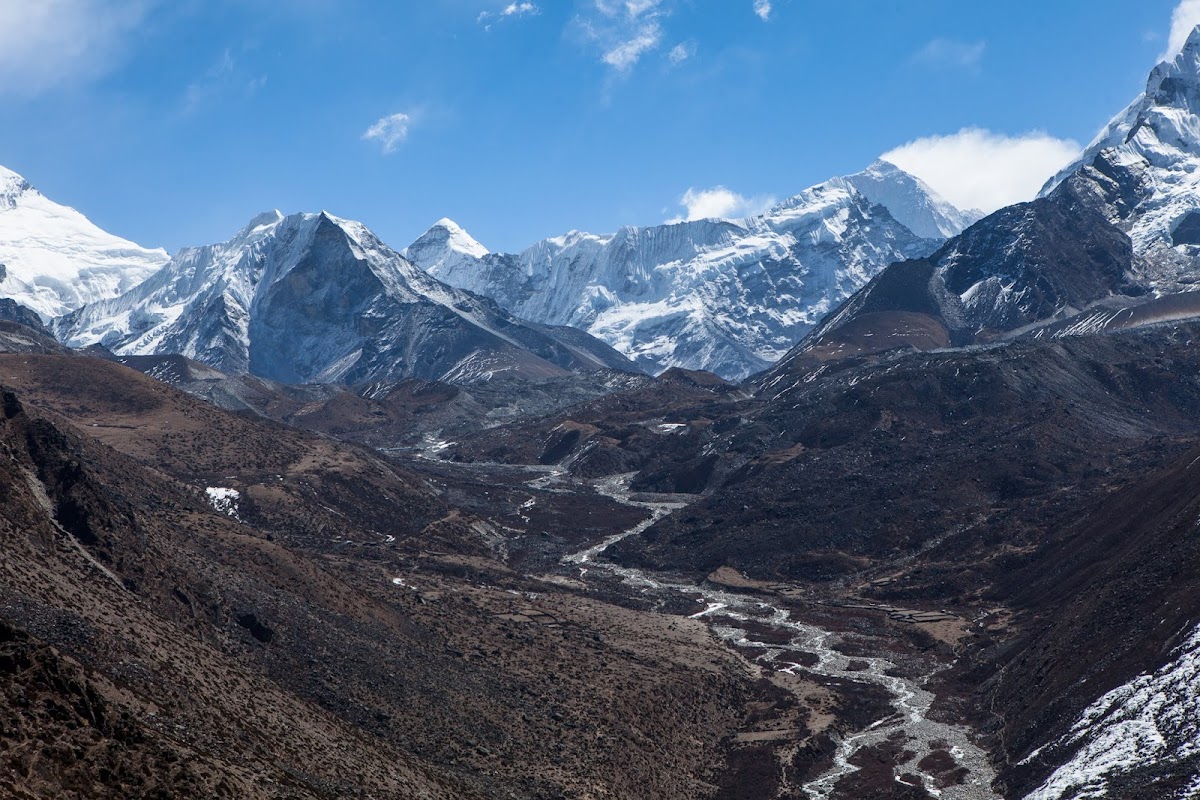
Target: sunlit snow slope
pixel 53 259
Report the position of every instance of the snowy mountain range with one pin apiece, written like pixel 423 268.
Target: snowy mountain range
pixel 730 296
pixel 1112 242
pixel 53 259
pixel 311 298
pixel 1023 267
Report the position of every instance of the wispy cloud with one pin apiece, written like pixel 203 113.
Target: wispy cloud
pixel 223 78
pixel 512 10
pixel 720 203
pixel 1184 20
pixel 681 53
pixel 390 131
pixel 976 168
pixel 49 43
pixel 625 55
pixel 519 9
pixel 763 9
pixel 951 53
pixel 624 30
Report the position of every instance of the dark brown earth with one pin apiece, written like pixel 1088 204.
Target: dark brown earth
pixel 394 626
pixel 408 415
pixel 363 628
pixel 282 649
pixel 1040 489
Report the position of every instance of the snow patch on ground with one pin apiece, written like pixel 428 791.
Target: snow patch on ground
pixel 1153 719
pixel 224 500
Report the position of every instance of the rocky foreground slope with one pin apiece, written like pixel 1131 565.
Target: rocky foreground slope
pixel 195 604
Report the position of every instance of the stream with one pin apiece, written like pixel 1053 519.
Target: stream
pixel 731 616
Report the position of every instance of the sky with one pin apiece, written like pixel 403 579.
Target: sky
pixel 173 122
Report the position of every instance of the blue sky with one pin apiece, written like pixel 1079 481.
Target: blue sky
pixel 172 122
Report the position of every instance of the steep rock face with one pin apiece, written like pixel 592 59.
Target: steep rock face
pixel 729 296
pixel 53 259
pixel 311 298
pixel 1143 170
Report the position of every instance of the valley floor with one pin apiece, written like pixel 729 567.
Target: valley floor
pixel 858 701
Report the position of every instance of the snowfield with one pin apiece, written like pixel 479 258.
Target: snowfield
pixel 53 259
pixel 1153 719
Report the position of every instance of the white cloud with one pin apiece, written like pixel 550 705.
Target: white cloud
pixel 763 9
pixel 524 9
pixel 975 168
pixel 519 9
pixel 390 131
pixel 633 8
pixel 1184 20
pixel 720 203
pixel 625 30
pixel 951 53
pixel 681 53
pixel 625 55
pixel 49 43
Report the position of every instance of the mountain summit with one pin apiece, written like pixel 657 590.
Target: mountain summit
pixel 1112 242
pixel 1144 171
pixel 311 298
pixel 912 202
pixel 725 295
pixel 53 259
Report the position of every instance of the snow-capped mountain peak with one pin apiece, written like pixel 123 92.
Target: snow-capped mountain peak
pixel 53 259
pixel 313 298
pixel 1170 79
pixel 264 220
pixel 459 239
pixel 1144 171
pixel 12 186
pixel 445 246
pixel 911 201
pixel 726 295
